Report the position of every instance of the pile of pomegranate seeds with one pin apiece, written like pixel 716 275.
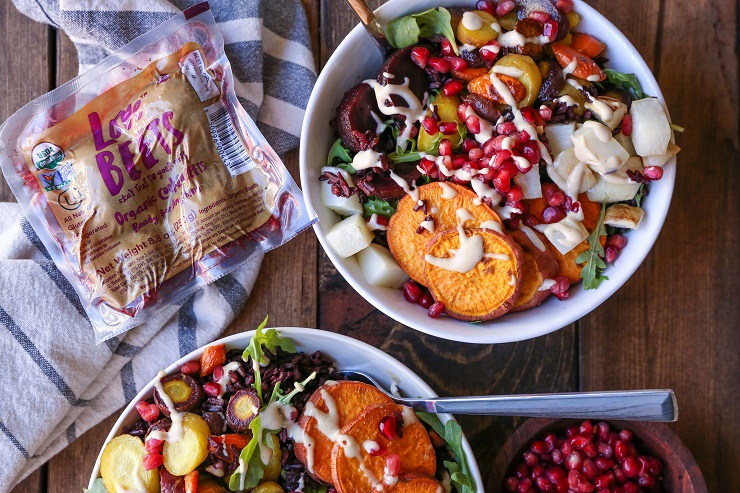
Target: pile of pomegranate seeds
pixel 587 459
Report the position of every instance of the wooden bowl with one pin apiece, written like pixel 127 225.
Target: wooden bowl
pixel 681 474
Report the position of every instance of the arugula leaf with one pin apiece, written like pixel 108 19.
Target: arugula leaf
pixel 98 487
pixel 380 207
pixel 406 31
pixel 408 157
pixel 594 256
pixel 452 434
pixel 347 167
pixel 338 151
pixel 271 340
pixel 640 194
pixel 253 462
pixel 626 81
pixel 299 387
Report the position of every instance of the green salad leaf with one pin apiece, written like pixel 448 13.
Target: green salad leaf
pixel 406 31
pixel 271 340
pixel 625 81
pixel 250 459
pixel 640 194
pixel 98 487
pixel 380 207
pixel 452 434
pixel 338 153
pixel 594 256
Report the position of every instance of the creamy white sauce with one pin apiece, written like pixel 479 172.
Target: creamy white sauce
pixel 428 225
pixel 569 101
pixel 604 110
pixel 486 129
pixel 472 21
pixel 434 210
pixel 366 159
pixel 409 416
pixel 567 230
pixel 538 244
pixel 447 191
pixel 593 78
pixel 414 194
pixel 373 225
pixel 465 258
pixel 512 39
pixel 463 216
pixel 413 113
pixel 219 473
pixel 225 379
pixel 388 478
pixel 380 125
pixel 575 180
pixel 484 191
pixel 467 47
pixel 546 285
pixel 505 212
pixel 570 68
pixel 493 226
pixel 176 430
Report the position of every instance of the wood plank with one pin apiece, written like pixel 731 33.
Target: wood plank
pixel 25 76
pixel 674 323
pixel 25 73
pixel 547 364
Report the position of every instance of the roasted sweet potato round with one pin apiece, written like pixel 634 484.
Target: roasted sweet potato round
pixel 349 399
pixel 486 291
pixel 415 483
pixel 409 246
pixel 539 264
pixel 414 448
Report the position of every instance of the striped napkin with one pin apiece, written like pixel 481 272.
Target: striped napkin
pixel 56 382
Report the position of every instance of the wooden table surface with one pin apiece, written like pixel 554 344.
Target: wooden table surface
pixel 674 324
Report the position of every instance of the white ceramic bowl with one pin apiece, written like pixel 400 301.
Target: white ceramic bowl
pixel 357 59
pixel 348 353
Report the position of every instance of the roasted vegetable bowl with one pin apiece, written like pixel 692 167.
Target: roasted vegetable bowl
pixel 271 418
pixel 495 165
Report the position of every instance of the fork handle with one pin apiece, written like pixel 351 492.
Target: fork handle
pixel 636 405
pixel 368 19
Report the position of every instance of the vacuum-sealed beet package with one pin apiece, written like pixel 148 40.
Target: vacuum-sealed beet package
pixel 145 178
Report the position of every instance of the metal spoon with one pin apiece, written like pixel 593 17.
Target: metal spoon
pixel 636 405
pixel 373 27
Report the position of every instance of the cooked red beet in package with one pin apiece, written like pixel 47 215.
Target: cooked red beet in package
pixel 145 178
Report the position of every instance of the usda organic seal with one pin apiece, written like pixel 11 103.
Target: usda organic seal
pixel 47 155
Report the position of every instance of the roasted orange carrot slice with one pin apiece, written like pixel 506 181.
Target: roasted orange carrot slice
pixel 538 265
pixel 212 357
pixel 587 44
pixel 586 68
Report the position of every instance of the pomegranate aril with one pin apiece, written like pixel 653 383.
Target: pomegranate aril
pixel 515 194
pixel 539 16
pixel 606 480
pixel 656 467
pixel 556 199
pixel 151 413
pixel 388 427
pixel 469 144
pixel 473 124
pixel 457 63
pixel 631 467
pixel 218 372
pixel 602 429
pixel 528 113
pixel 445 146
pixel 536 471
pixel 552 215
pixel 190 367
pixel 420 56
pixel 565 5
pixel 531 459
pixel 556 474
pixel 212 389
pixel 524 485
pixel 619 475
pixel 522 471
pixel 530 220
pixel 475 154
pixel 653 172
pixel 546 113
pixel 550 29
pixel 647 482
pixel 504 8
pixel 447 47
pixel 490 51
pixel 618 242
pixel 586 428
pixel 627 125
pixel 452 87
pixel 430 125
pixel 543 484
pixel 486 6
pixel 440 64
pixel 393 464
pixel 604 449
pixel 562 284
pixel 590 451
pixel 603 464
pixel 511 484
pixel 448 128
pixel 625 435
pixel 141 407
pixel 502 182
pixel 590 469
pixel 573 461
pixel 436 309
pixel 501 157
pixel 154 445
pixel 644 466
pixel 506 128
pixel 631 487
pixel 426 300
pixel 152 461
pixel 610 254
pixel 532 152
pixel 411 291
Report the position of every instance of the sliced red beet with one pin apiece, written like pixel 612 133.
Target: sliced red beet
pixel 383 187
pixel 401 66
pixel 169 483
pixel 553 83
pixel 354 121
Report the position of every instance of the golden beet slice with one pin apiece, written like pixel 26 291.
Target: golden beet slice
pixel 414 483
pixel 408 246
pixel 349 399
pixel 486 291
pixel 538 265
pixel 121 460
pixel 354 470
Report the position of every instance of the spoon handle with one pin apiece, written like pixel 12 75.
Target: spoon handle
pixel 636 405
pixel 368 19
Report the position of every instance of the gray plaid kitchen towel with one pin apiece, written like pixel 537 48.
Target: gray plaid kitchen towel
pixel 55 382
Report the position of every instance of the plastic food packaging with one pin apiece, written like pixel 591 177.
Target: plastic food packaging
pixel 145 178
